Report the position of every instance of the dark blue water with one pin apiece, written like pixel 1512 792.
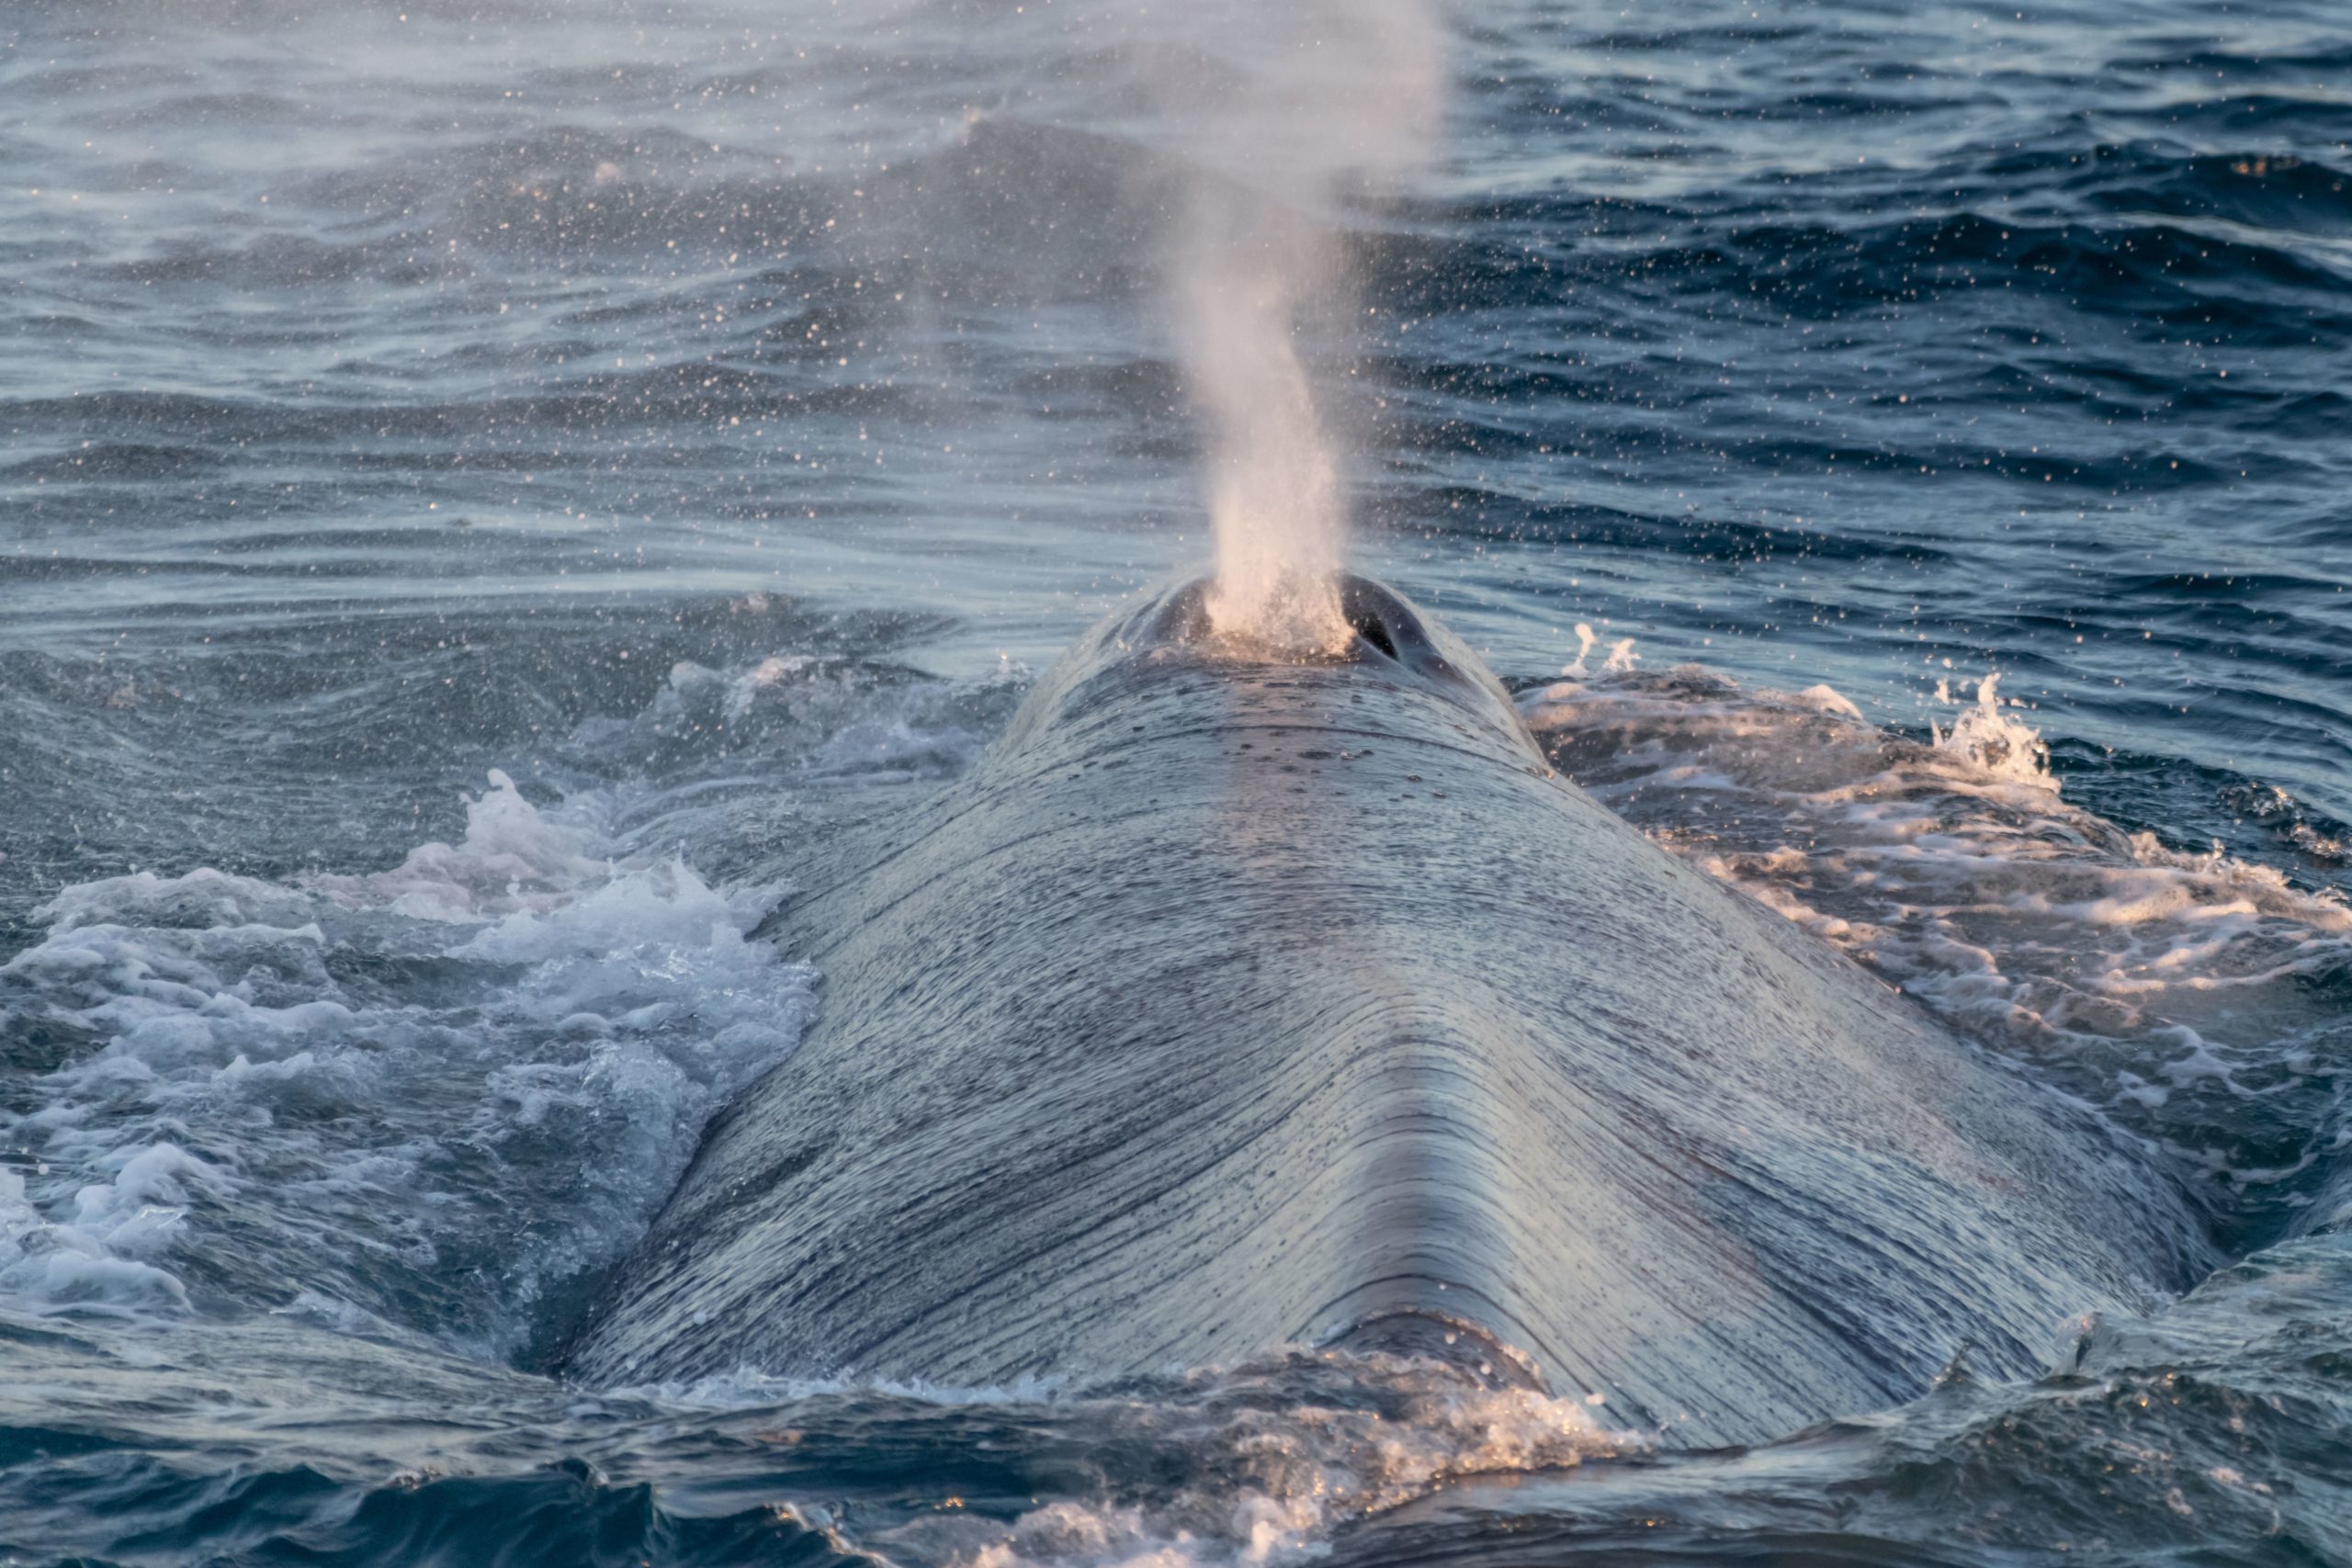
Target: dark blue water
pixel 711 415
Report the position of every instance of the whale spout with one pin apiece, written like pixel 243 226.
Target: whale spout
pixel 1236 1000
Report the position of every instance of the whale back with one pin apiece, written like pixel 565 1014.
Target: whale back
pixel 1230 1004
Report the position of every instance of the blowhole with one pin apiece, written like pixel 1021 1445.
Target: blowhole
pixel 1373 630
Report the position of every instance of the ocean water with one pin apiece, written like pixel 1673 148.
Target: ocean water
pixel 476 479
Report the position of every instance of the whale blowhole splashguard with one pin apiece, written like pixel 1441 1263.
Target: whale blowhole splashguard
pixel 1371 624
pixel 1389 641
pixel 1376 619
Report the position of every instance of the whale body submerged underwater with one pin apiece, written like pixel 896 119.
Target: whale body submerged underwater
pixel 1231 1003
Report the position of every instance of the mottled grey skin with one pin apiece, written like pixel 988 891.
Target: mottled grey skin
pixel 1227 1004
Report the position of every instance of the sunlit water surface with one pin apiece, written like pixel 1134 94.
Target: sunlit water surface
pixel 476 481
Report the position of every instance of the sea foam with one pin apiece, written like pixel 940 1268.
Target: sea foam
pixel 2195 995
pixel 432 1093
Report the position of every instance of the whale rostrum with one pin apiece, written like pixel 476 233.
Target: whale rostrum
pixel 1231 1002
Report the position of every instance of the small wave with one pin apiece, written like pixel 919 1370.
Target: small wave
pixel 2317 837
pixel 2313 114
pixel 1493 512
pixel 116 460
pixel 1256 1464
pixel 836 717
pixel 2322 56
pixel 1281 1482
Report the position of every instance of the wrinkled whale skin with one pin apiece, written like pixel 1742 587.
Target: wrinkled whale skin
pixel 1232 1003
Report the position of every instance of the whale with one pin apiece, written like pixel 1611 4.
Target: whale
pixel 1236 1002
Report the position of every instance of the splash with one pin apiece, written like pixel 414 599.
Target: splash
pixel 2005 748
pixel 1283 112
pixel 1575 668
pixel 1621 660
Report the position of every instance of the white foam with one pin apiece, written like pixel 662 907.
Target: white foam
pixel 1270 1483
pixel 2166 984
pixel 510 860
pixel 1251 1465
pixel 95 1255
pixel 491 1060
